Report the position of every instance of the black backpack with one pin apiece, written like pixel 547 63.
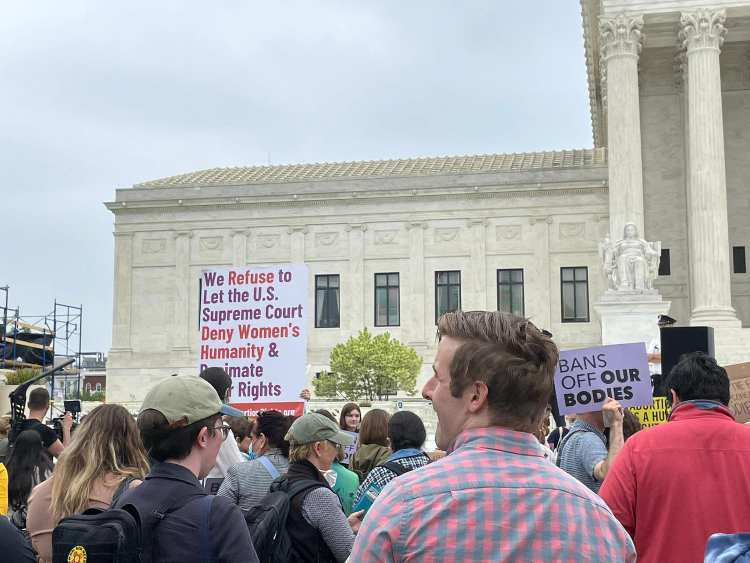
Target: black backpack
pixel 267 520
pixel 116 535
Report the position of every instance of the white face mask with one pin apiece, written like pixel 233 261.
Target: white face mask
pixel 330 477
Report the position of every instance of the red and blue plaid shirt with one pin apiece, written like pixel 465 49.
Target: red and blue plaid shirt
pixel 494 498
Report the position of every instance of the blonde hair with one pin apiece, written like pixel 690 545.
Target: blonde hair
pixel 300 452
pixel 106 442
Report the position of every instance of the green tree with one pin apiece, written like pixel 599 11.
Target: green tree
pixel 369 367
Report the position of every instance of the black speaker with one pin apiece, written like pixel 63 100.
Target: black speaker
pixel 679 340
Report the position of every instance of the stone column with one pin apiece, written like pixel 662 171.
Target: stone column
pixel 548 278
pixel 621 45
pixel 708 230
pixel 239 247
pixel 355 287
pixel 297 243
pixel 415 319
pixel 123 290
pixel 478 272
pixel 181 321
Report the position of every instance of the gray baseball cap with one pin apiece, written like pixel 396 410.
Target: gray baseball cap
pixel 314 427
pixel 185 399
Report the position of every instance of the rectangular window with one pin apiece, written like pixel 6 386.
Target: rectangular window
pixel 447 292
pixel 574 289
pixel 387 299
pixel 738 259
pixel 665 267
pixel 327 301
pixel 510 291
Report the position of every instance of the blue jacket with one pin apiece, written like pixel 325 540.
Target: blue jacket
pixel 181 535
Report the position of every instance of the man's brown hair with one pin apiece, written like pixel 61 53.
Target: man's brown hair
pixel 38 399
pixel 508 354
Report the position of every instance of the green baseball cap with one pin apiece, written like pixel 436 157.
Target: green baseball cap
pixel 314 427
pixel 185 399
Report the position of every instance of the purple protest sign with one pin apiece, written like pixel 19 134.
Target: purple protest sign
pixel 584 378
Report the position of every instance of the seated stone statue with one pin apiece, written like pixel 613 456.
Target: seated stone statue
pixel 631 264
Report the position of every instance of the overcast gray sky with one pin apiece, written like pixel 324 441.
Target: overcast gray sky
pixel 101 95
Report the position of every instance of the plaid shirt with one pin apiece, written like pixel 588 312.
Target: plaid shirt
pixel 381 476
pixel 494 498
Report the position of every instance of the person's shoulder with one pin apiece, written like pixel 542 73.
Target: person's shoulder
pixel 413 483
pixel 43 489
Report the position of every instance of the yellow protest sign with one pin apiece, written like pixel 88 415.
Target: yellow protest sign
pixel 654 414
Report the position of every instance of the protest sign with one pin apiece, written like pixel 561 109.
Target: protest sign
pixel 652 415
pixel 584 378
pixel 253 324
pixel 349 450
pixel 739 391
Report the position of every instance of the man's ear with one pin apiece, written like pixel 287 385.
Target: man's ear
pixel 202 437
pixel 675 398
pixel 478 396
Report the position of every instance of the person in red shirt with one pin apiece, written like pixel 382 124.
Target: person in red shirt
pixel 673 485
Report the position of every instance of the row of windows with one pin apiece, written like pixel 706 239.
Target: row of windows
pixel 739 264
pixel 574 292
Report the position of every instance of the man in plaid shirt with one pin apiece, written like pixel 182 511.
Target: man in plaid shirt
pixel 494 497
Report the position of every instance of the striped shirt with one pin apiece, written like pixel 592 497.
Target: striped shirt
pixel 581 451
pixel 248 482
pixel 494 498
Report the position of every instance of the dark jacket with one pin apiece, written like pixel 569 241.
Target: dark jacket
pixel 178 537
pixel 14 545
pixel 307 543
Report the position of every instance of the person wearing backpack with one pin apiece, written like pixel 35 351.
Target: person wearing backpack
pixel 248 482
pixel 105 455
pixel 406 434
pixel 319 530
pixel 181 426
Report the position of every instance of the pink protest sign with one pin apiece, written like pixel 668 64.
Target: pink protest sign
pixel 584 378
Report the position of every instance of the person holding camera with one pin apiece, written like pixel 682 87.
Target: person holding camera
pixel 38 405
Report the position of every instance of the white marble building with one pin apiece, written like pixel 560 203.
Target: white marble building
pixel 670 95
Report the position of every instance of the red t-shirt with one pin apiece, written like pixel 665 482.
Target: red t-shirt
pixel 673 485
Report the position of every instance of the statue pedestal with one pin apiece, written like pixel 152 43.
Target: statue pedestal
pixel 630 316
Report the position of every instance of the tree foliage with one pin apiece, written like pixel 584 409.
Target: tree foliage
pixel 369 367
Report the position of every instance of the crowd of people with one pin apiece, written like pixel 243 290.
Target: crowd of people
pixel 362 488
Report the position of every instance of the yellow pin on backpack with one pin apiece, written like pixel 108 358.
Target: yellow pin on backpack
pixel 77 555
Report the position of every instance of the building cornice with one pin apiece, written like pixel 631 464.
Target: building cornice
pixel 325 200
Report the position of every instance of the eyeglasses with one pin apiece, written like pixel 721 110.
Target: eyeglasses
pixel 224 430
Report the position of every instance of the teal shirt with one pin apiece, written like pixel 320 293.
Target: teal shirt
pixel 346 486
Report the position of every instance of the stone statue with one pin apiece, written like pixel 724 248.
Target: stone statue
pixel 630 264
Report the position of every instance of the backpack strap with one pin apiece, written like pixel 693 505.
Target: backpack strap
pixel 121 489
pixel 269 466
pixel 152 519
pixel 302 486
pixel 206 543
pixel 396 468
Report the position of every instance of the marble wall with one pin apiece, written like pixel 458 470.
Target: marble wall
pixel 537 228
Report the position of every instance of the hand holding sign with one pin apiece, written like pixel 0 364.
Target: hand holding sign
pixel 611 413
pixel 585 378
